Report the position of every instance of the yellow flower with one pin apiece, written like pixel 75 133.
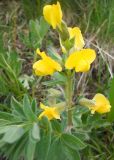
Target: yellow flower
pixel 49 112
pixel 102 104
pixel 45 66
pixel 80 60
pixel 99 104
pixel 53 14
pixel 78 38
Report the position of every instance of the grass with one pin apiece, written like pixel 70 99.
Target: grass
pixel 93 16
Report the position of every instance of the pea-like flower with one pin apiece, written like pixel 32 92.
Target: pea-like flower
pixel 45 66
pixel 78 38
pixel 53 14
pixel 74 33
pixel 102 104
pixel 49 112
pixel 80 60
pixel 99 104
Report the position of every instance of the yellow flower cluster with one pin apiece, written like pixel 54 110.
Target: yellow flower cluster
pixel 76 58
pixel 80 59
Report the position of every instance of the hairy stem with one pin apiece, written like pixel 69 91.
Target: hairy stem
pixel 69 97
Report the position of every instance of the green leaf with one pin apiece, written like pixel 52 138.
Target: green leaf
pixel 38 30
pixel 45 142
pixel 34 35
pixel 19 147
pixel 56 151
pixel 77 121
pixel 4 90
pixel 71 154
pixel 4 122
pixel 2 143
pixel 31 146
pixel 56 126
pixel 36 132
pixel 96 121
pixel 27 109
pixel 11 68
pixel 72 141
pixel 10 150
pixel 53 54
pixel 4 129
pixel 43 27
pixel 6 116
pixel 52 82
pixel 14 62
pixel 13 134
pixel 111 99
pixel 60 76
pixel 34 106
pixel 17 107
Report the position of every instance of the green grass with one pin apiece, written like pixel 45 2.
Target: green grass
pixel 93 16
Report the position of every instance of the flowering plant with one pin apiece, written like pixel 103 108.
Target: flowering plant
pixel 56 129
pixel 73 59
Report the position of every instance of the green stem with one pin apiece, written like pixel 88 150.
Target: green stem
pixel 69 97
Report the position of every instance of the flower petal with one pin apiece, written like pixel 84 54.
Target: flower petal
pixel 53 14
pixel 104 109
pixel 56 116
pixel 47 12
pixel 49 112
pixel 58 12
pixel 80 60
pixel 71 61
pixel 102 105
pixel 54 64
pixel 41 115
pixel 82 66
pixel 42 106
pixel 76 33
pixel 46 66
pixel 42 68
pixel 89 55
pixel 100 99
pixel 42 54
